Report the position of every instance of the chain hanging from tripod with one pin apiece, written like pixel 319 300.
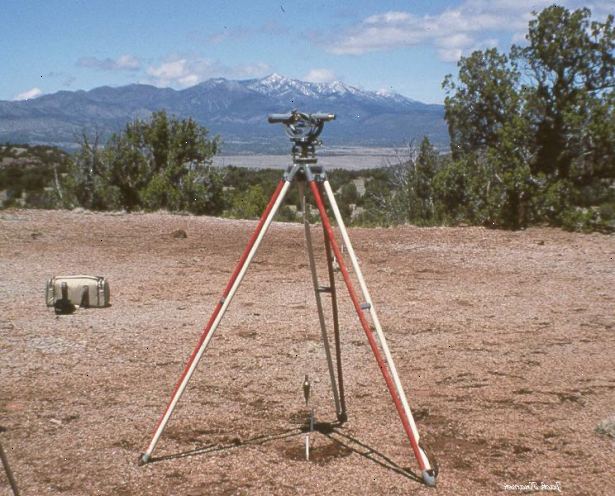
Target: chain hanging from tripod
pixel 308 356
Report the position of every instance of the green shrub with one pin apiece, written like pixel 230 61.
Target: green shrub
pixel 162 163
pixel 248 204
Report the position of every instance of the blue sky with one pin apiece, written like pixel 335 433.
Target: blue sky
pixel 403 46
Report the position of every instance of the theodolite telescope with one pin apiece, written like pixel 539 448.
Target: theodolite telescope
pixel 303 130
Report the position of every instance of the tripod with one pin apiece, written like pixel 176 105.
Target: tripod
pixel 303 131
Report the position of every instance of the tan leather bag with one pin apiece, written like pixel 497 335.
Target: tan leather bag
pixel 83 291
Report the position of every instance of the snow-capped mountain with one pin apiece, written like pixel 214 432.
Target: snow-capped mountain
pixel 276 85
pixel 237 110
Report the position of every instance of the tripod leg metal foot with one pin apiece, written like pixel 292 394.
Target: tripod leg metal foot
pixel 430 477
pixel 143 459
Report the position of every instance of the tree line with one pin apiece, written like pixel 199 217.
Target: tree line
pixel 532 136
pixel 533 131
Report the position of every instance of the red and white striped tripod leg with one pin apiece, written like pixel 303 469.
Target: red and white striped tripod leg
pixel 395 388
pixel 373 314
pixel 218 313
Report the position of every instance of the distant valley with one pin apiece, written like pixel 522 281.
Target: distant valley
pixel 235 110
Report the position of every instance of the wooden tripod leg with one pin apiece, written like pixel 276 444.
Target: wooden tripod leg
pixel 343 415
pixel 431 472
pixel 218 313
pixel 428 473
pixel 317 290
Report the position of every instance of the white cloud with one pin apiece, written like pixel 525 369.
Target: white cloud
pixel 174 72
pixel 183 72
pixel 122 63
pixel 450 54
pixel 129 62
pixel 381 32
pixel 29 94
pixel 453 32
pixel 389 17
pixel 320 76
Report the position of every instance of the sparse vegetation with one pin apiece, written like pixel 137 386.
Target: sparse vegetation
pixel 162 163
pixel 533 132
pixel 29 174
pixel 532 137
pixel 607 427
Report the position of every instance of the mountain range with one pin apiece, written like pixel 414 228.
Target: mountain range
pixel 235 110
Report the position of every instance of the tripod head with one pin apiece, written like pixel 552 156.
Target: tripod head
pixel 303 130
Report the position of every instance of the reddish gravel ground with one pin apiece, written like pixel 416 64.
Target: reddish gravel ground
pixel 505 342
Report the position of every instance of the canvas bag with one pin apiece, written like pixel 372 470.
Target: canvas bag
pixel 86 291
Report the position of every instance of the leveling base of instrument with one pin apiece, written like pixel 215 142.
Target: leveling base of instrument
pixel 303 131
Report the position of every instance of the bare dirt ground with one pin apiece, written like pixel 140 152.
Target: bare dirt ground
pixel 505 342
